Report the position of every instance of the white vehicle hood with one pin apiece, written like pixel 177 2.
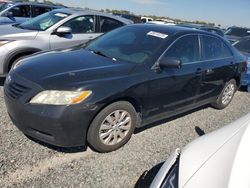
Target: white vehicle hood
pixel 220 159
pixel 12 33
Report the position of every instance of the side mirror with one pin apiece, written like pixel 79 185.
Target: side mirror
pixel 9 14
pixel 63 30
pixel 170 62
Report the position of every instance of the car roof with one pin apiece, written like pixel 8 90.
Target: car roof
pixel 171 29
pixel 80 11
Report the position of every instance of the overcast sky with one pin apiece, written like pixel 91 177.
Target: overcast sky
pixel 224 12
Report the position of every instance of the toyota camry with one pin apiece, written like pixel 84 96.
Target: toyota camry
pixel 98 93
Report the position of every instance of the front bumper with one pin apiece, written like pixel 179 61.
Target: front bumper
pixel 64 126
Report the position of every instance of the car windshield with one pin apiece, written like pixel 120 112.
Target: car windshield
pixel 243 45
pixel 3 6
pixel 133 44
pixel 240 32
pixel 44 21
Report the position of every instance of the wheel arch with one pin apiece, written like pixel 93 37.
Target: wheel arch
pixel 133 101
pixel 10 59
pixel 238 80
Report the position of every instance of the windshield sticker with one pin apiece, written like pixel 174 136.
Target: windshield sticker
pixel 156 34
pixel 61 15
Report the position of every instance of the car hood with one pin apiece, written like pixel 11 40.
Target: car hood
pixel 11 32
pixel 219 159
pixel 70 68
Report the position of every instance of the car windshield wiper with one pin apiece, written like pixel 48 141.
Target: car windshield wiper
pixel 102 54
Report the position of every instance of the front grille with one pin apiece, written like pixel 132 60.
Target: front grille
pixel 15 90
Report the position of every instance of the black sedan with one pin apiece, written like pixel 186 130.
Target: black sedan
pixel 99 93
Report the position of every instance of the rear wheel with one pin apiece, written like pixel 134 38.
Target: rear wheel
pixel 112 127
pixel 226 95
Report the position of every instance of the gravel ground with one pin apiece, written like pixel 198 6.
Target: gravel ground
pixel 25 163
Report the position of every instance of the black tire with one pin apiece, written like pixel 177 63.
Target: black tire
pixel 94 132
pixel 219 104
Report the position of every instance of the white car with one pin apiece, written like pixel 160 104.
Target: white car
pixel 146 19
pixel 220 159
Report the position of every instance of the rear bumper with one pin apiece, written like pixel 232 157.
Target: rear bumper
pixel 246 79
pixel 246 76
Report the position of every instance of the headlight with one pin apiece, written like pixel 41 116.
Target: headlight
pixel 54 97
pixel 171 180
pixel 3 42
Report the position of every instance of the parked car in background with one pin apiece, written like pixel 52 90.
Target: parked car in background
pixel 235 33
pixel 134 18
pixel 146 19
pixel 210 29
pixel 166 20
pixel 18 12
pixel 218 160
pixel 243 45
pixel 160 22
pixel 59 28
pixel 130 77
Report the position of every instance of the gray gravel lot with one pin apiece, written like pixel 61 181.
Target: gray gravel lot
pixel 25 163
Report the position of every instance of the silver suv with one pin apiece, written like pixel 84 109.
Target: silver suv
pixel 60 28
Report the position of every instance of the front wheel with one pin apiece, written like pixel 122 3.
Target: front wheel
pixel 112 127
pixel 226 95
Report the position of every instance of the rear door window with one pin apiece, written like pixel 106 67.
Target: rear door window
pixel 214 48
pixel 108 24
pixel 185 49
pixel 38 10
pixel 21 11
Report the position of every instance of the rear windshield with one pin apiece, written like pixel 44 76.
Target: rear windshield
pixel 44 21
pixel 240 32
pixel 243 45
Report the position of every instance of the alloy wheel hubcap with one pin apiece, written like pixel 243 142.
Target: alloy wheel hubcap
pixel 115 127
pixel 228 94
